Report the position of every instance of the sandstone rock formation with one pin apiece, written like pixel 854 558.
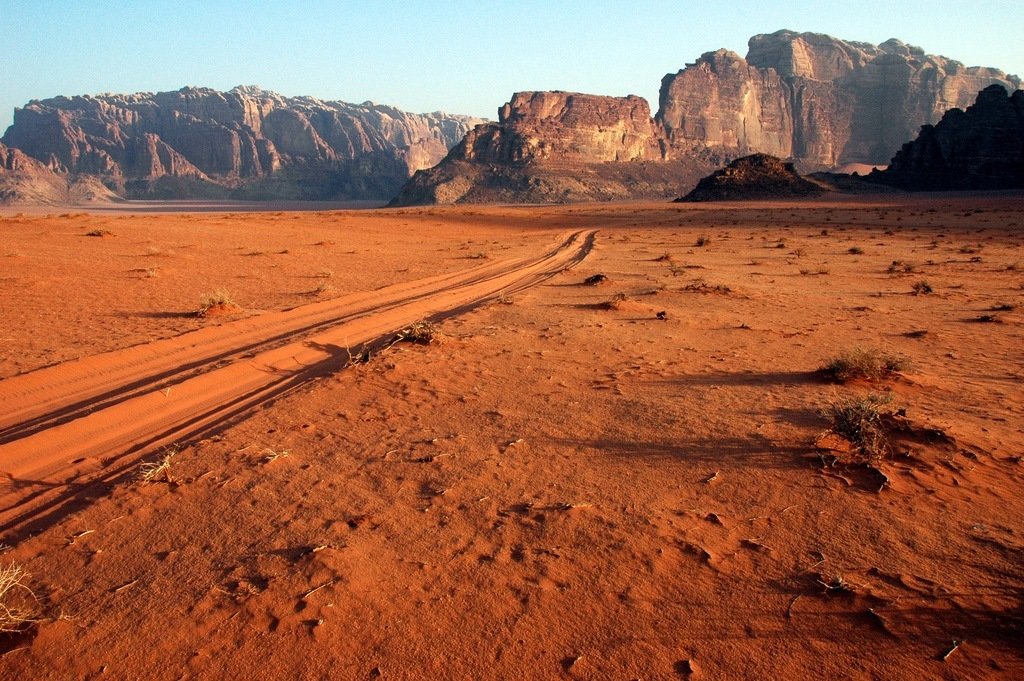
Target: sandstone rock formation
pixel 821 101
pixel 566 128
pixel 758 176
pixel 245 143
pixel 818 101
pixel 24 180
pixel 559 146
pixel 980 148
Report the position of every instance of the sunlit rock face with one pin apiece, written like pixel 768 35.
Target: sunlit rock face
pixel 820 101
pixel 246 142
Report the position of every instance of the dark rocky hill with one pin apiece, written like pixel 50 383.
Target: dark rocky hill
pixel 980 148
pixel 758 176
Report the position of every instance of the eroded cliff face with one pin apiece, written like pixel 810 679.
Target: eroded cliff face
pixel 552 147
pixel 980 148
pixel 24 180
pixel 821 101
pixel 817 101
pixel 197 140
pixel 565 128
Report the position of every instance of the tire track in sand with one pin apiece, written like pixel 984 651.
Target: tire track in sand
pixel 102 413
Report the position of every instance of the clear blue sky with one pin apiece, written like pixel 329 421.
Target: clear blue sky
pixel 456 56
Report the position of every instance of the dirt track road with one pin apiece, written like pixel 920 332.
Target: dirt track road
pixel 83 421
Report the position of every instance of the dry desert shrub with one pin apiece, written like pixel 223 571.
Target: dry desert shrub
pixel 863 363
pixel 702 240
pixel 902 267
pixel 700 286
pixel 859 422
pixel 921 288
pixel 19 606
pixel 323 289
pixel 215 300
pixel 423 333
pixel 155 471
pixel 615 302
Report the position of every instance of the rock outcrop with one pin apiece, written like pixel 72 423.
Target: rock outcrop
pixel 820 101
pixel 565 128
pixel 559 146
pixel 817 101
pixel 980 148
pixel 758 176
pixel 245 143
pixel 24 180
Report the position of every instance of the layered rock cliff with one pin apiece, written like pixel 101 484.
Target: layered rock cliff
pixel 980 148
pixel 821 101
pixel 818 101
pixel 24 180
pixel 246 143
pixel 555 147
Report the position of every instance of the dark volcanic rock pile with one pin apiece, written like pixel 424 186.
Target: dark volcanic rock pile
pixel 980 148
pixel 246 143
pixel 757 176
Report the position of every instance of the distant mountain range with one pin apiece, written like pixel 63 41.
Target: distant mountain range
pixel 817 101
pixel 820 102
pixel 246 143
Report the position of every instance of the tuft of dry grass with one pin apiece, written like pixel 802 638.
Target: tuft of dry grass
pixel 902 267
pixel 702 240
pixel 921 288
pixel 154 471
pixel 19 607
pixel 864 363
pixel 215 300
pixel 423 333
pixel 271 455
pixel 323 289
pixel 700 286
pixel 615 302
pixel 859 422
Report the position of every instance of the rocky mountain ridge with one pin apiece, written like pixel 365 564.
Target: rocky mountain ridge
pixel 818 101
pixel 245 143
pixel 821 101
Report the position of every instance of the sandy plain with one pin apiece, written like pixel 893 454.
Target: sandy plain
pixel 568 486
